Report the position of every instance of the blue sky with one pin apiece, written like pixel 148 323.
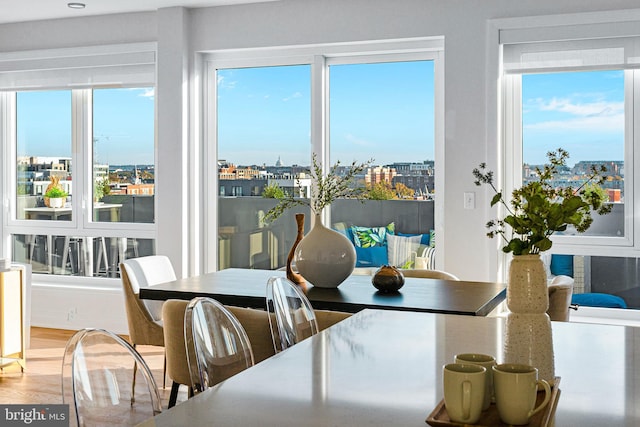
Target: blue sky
pixel 264 113
pixel 381 111
pixel 582 112
pixel 123 125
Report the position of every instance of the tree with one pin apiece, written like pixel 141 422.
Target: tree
pixel 381 191
pixel 273 191
pixel 403 191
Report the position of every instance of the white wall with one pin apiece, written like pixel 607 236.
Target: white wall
pixel 470 101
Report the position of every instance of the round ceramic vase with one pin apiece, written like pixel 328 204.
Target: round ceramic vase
pixel 387 279
pixel 324 257
pixel 527 287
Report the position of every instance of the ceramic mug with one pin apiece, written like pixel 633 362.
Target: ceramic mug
pixel 516 390
pixel 483 360
pixel 464 386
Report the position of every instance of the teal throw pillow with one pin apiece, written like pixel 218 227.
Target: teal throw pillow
pixel 375 256
pixel 368 237
pixel 562 265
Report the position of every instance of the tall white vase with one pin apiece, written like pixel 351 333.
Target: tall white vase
pixel 324 257
pixel 527 290
pixel 528 337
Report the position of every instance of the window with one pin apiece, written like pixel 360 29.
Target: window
pixel 384 111
pixel 269 113
pixel 580 95
pixel 95 142
pixel 263 117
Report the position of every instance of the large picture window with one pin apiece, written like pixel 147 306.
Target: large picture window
pixel 97 148
pixel 78 158
pixel 268 116
pixel 581 96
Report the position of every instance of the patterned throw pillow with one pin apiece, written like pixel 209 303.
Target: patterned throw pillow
pixel 402 250
pixel 368 237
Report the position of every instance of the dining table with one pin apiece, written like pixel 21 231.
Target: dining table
pixel 247 288
pixel 384 368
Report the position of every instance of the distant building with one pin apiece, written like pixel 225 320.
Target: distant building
pixel 379 174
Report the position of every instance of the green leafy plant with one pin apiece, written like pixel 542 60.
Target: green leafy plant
pixel 538 209
pixel 101 188
pixel 273 191
pixel 324 189
pixel 55 192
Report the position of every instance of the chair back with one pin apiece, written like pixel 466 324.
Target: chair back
pixel 291 311
pixel 147 271
pixel 429 274
pixel 98 381
pixel 220 344
pixel 560 293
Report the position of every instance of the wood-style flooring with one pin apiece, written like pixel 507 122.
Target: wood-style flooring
pixel 40 381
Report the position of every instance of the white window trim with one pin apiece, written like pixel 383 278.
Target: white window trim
pixel 497 129
pixel 318 57
pixel 579 244
pixel 139 58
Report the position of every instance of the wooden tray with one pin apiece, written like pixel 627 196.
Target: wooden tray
pixel 490 418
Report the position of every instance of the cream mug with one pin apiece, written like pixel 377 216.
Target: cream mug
pixel 464 391
pixel 516 390
pixel 483 360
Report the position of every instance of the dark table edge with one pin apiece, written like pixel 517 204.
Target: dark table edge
pixel 259 302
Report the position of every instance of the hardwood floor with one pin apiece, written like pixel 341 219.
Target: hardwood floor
pixel 40 382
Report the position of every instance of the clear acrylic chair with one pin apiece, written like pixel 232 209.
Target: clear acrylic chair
pixel 291 312
pixel 97 378
pixel 220 344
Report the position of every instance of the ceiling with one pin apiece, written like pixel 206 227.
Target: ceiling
pixel 35 10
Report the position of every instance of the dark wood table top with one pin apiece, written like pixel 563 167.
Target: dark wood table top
pixel 247 288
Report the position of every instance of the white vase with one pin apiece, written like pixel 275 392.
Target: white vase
pixel 529 341
pixel 324 257
pixel 527 290
pixel 56 202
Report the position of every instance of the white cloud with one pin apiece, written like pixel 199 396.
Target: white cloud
pixel 293 96
pixel 591 123
pixel 596 115
pixel 149 93
pixel 597 108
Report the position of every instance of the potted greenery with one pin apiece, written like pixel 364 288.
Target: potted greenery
pixel 57 197
pixel 323 257
pixel 536 211
pixel 324 189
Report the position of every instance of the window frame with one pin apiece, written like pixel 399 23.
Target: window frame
pixel 80 70
pixel 319 57
pixel 578 244
pixel 548 28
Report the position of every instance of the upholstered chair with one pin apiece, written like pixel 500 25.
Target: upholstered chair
pixel 428 274
pixel 175 347
pixel 560 291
